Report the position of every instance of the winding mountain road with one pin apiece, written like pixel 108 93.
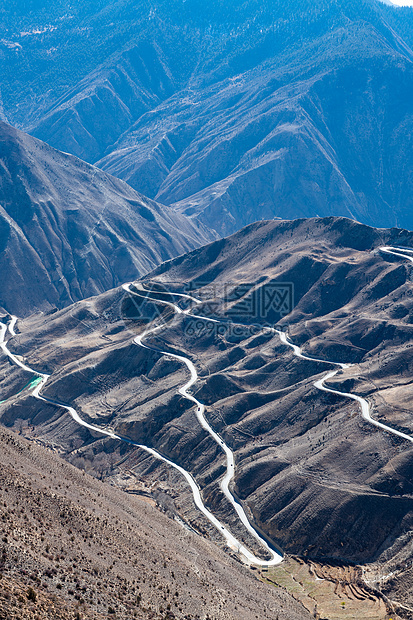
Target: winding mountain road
pixel 12 324
pixel 231 541
pixel 320 384
pixel 399 251
pixel 200 413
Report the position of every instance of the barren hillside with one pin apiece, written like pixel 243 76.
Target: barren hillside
pixel 314 475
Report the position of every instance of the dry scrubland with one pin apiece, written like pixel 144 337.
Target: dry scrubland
pixel 73 547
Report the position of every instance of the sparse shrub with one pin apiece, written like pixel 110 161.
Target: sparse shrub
pixel 31 595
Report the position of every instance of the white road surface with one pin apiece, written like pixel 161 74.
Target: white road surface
pixel 200 413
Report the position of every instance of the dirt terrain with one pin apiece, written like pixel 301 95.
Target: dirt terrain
pixel 315 476
pixel 74 547
pixel 331 591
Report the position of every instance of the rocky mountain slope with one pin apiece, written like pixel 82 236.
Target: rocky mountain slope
pixel 76 548
pixel 272 110
pixel 69 230
pixel 315 476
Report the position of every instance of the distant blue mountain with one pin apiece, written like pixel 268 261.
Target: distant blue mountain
pixel 232 112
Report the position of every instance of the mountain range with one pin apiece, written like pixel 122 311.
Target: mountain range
pixel 206 308
pixel 284 109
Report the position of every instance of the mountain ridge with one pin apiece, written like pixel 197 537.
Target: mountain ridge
pixel 69 230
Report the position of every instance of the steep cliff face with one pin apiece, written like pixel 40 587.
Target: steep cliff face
pixel 69 230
